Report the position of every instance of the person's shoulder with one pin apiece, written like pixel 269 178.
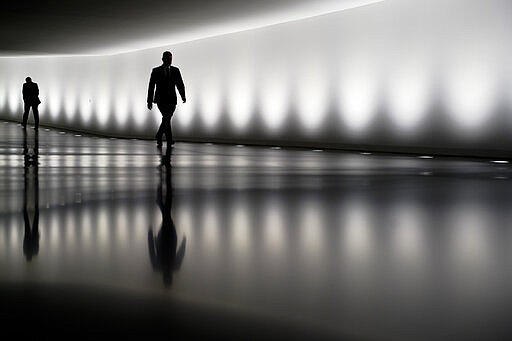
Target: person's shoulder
pixel 175 68
pixel 157 68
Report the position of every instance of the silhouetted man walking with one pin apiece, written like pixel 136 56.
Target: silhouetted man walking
pixel 166 78
pixel 31 99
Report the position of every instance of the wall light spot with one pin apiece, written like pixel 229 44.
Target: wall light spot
pixel 409 96
pixel 3 95
pixel 14 99
pixel 70 102
pixel 313 94
pixel 121 108
pixel 358 94
pixel 139 109
pixel 211 101
pixel 103 105
pixel 86 106
pixel 185 111
pixel 241 97
pixel 54 100
pixel 471 90
pixel 275 98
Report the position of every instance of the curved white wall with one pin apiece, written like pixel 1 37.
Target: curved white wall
pixel 396 74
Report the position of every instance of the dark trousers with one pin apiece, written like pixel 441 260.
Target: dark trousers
pixel 34 110
pixel 167 110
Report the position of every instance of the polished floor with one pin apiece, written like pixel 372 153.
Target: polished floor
pixel 115 237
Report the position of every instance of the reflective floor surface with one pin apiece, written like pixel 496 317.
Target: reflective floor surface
pixel 111 236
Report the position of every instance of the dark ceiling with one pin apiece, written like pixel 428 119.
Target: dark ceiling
pixel 70 27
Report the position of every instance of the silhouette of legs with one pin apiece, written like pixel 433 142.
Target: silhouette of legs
pixel 25 115
pixel 167 111
pixel 35 110
pixel 26 112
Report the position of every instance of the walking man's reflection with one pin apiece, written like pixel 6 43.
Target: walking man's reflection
pixel 31 197
pixel 162 249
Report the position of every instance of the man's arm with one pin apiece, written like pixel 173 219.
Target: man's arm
pixel 151 90
pixel 181 86
pixel 37 89
pixel 24 92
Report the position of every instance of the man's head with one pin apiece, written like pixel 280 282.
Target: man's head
pixel 28 80
pixel 167 58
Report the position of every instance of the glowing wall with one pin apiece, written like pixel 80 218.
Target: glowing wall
pixel 395 74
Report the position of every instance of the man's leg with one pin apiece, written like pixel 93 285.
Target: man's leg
pixel 166 123
pixel 160 132
pixel 167 111
pixel 168 132
pixel 161 129
pixel 35 110
pixel 25 115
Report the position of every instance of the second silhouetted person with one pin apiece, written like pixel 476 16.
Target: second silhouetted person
pixel 31 99
pixel 166 79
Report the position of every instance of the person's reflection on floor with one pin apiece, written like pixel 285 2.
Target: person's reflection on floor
pixel 31 197
pixel 162 249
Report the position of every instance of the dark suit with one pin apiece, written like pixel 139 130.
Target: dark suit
pixel 166 82
pixel 31 98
